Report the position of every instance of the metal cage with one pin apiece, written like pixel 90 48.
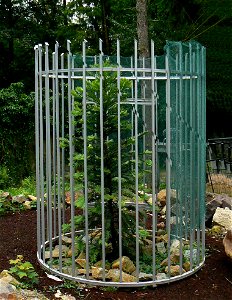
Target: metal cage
pixel 120 164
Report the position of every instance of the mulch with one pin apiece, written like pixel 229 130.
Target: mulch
pixel 213 281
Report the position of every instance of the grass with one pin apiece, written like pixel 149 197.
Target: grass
pixel 221 184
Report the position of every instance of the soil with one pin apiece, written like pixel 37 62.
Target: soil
pixel 212 281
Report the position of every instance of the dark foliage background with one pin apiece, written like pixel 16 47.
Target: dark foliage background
pixel 24 23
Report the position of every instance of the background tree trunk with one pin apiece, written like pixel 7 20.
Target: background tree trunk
pixel 142 28
pixel 144 52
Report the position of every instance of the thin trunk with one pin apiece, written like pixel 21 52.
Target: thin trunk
pixel 106 25
pixel 144 52
pixel 142 28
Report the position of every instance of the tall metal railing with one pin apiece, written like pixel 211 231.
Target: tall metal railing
pixel 120 164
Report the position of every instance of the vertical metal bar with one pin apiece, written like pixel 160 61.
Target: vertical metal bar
pixel 102 155
pixel 203 126
pixel 194 101
pixel 136 157
pixel 168 155
pixel 43 229
pixel 191 155
pixel 143 95
pixel 154 157
pixel 71 152
pixel 85 158
pixel 54 136
pixel 48 151
pixel 176 181
pixel 62 136
pixel 198 175
pixel 187 146
pixel 58 157
pixel 181 162
pixel 37 149
pixel 119 160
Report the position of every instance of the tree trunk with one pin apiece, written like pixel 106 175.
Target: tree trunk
pixel 144 52
pixel 105 25
pixel 142 28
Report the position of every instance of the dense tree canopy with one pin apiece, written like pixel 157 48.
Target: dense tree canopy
pixel 24 23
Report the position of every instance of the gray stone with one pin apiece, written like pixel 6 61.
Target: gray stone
pixel 6 196
pixel 19 199
pixel 211 207
pixel 67 240
pixel 227 202
pixel 161 248
pixel 175 246
pixel 161 276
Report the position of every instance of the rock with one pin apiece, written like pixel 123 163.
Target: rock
pixel 28 294
pixel 161 225
pixel 66 240
pixel 161 196
pixel 223 217
pixel 6 196
pixel 162 238
pixel 56 252
pixel 174 258
pixel 8 278
pixel 227 242
pixel 161 276
pixel 27 204
pixel 221 200
pixel 174 270
pixel 147 247
pixel 19 199
pixel 211 208
pixel 7 291
pixel 143 276
pixel 81 271
pixel 163 210
pixel 175 246
pixel 161 248
pixel 186 266
pixel 61 296
pixel 81 262
pixel 227 202
pixel 127 265
pixel 114 275
pixel 81 255
pixel 32 198
pixel 97 273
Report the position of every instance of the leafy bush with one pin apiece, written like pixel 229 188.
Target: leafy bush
pixel 16 135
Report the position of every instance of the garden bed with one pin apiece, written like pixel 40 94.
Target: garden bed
pixel 213 281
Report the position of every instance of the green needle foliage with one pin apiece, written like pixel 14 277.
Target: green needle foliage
pixel 107 140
